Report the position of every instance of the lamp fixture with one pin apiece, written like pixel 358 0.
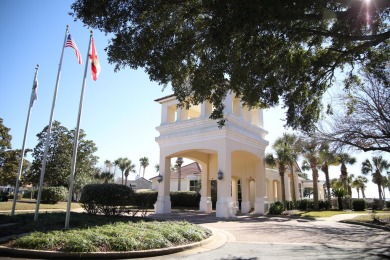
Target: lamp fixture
pixel 220 175
pixel 159 178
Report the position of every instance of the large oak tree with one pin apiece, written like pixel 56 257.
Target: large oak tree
pixel 267 52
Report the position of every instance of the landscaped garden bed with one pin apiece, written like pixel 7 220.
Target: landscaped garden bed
pixel 97 233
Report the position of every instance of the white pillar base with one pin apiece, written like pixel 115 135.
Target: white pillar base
pixel 163 205
pixel 245 206
pixel 205 205
pixel 259 205
pixel 225 208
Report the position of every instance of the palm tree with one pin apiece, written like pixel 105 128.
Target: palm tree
pixel 360 184
pixel 288 143
pixel 310 149
pixel 385 184
pixel 108 165
pixel 144 162
pixel 328 157
pixel 345 158
pixel 375 169
pixel 130 168
pixel 123 164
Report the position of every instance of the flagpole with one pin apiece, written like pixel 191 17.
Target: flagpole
pixel 48 134
pixel 76 140
pixel 24 142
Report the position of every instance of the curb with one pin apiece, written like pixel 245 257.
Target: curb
pixel 104 255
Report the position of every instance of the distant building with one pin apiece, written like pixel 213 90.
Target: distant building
pixel 140 183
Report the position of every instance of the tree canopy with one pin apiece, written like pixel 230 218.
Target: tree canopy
pixel 9 159
pixel 59 157
pixel 266 52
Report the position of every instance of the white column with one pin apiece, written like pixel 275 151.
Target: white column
pixel 206 109
pixel 234 191
pixel 228 103
pixel 163 203
pixel 260 180
pixel 245 203
pixel 225 205
pixel 164 114
pixel 205 204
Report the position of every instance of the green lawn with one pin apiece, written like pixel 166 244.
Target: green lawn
pixel 27 204
pixel 329 213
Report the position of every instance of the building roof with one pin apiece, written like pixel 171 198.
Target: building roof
pixel 163 98
pixel 189 169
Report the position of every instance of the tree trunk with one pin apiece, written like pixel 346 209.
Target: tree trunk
pixel 340 202
pixel 313 165
pixel 344 176
pixel 357 189
pixel 294 197
pixel 281 173
pixel 327 181
pixel 379 191
pixel 364 195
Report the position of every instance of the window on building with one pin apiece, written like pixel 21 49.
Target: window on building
pixel 194 185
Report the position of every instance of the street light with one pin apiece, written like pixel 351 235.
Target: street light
pixel 179 162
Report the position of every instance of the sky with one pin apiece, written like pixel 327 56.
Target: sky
pixel 119 112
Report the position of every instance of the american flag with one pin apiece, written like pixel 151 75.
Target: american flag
pixel 70 43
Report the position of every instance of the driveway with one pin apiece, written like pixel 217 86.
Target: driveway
pixel 260 237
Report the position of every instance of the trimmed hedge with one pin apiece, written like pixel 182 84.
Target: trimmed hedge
pixel 147 198
pixel 189 199
pixel 53 195
pixel 276 208
pixel 359 205
pixel 144 199
pixel 106 198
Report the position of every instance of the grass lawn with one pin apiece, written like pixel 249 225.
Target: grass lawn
pixel 97 233
pixel 327 213
pixel 26 204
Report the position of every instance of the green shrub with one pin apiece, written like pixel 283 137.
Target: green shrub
pixel 377 204
pixel 189 199
pixel 323 205
pixel 144 199
pixel 27 194
pixel 276 208
pixel 105 198
pixel 359 205
pixel 52 195
pixel 290 205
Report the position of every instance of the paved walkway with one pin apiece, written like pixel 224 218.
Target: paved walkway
pixel 262 237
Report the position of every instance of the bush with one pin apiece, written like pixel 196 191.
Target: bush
pixel 323 205
pixel 27 194
pixel 276 208
pixel 189 199
pixel 147 198
pixel 359 205
pixel 144 199
pixel 377 204
pixel 53 195
pixel 105 198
